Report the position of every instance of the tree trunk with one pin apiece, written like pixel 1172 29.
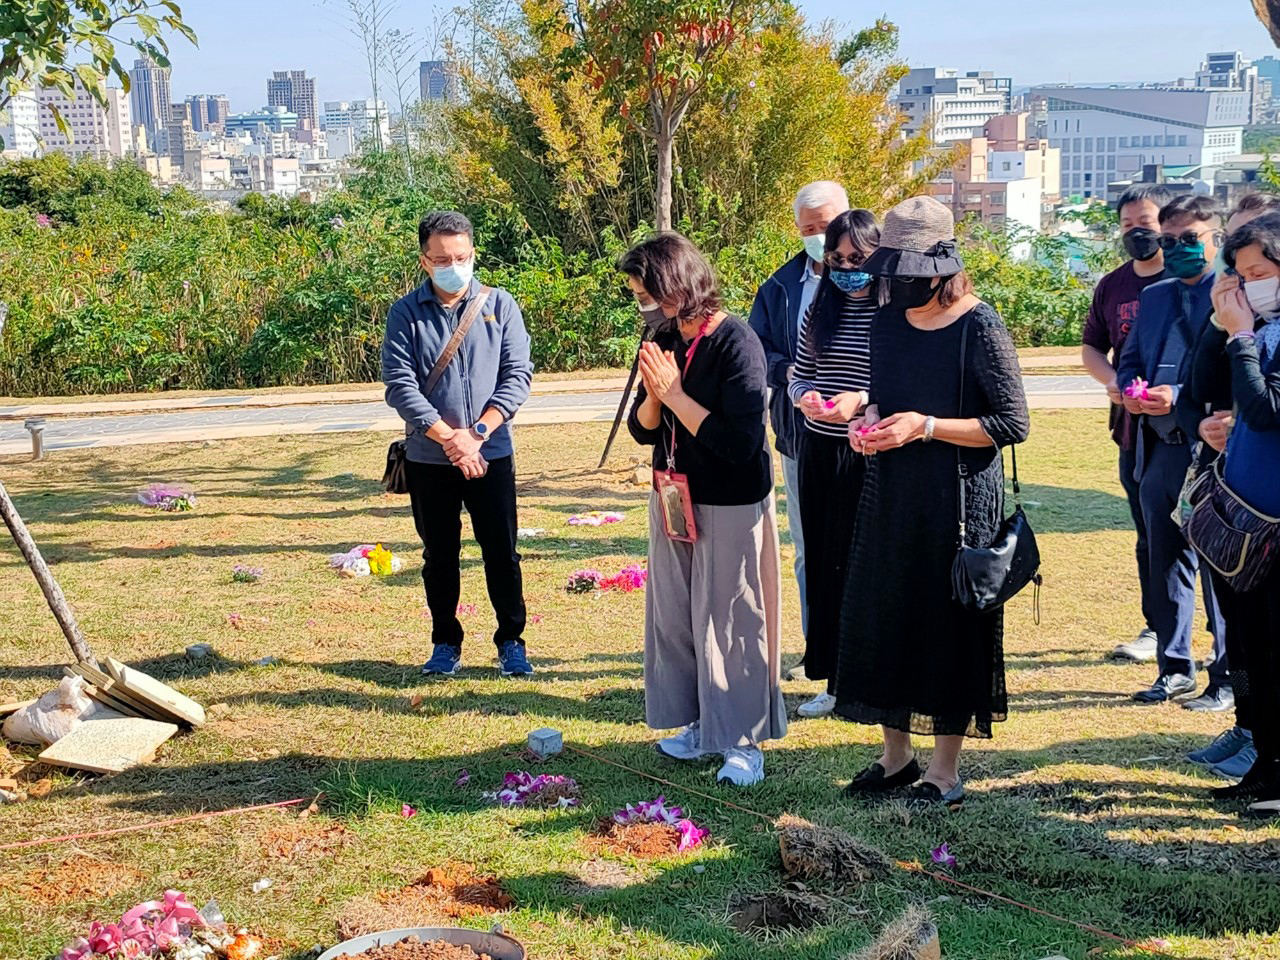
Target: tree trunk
pixel 1268 12
pixel 52 592
pixel 662 199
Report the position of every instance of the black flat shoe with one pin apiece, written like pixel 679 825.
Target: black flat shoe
pixel 925 794
pixel 873 780
pixel 1256 783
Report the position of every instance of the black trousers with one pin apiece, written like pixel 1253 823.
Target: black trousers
pixel 438 494
pixel 1253 646
pixel 831 477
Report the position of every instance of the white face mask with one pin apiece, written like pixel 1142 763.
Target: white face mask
pixel 1264 297
pixel 815 246
pixel 455 277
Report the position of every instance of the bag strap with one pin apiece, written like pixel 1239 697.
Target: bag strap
pixel 451 348
pixel 961 470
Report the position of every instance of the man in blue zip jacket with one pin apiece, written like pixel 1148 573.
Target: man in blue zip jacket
pixel 458 442
pixel 776 315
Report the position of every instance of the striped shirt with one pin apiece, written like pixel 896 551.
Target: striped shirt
pixel 844 365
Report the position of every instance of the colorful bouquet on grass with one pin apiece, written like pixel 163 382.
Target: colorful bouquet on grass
pixel 596 518
pixel 1138 390
pixel 241 573
pixel 629 578
pixel 168 497
pixel 365 560
pixel 691 835
pixel 523 789
pixel 171 928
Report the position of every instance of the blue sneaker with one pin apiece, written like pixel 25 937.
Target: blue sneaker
pixel 513 661
pixel 1226 746
pixel 1234 768
pixel 444 662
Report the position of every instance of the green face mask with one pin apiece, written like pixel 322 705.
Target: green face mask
pixel 1185 261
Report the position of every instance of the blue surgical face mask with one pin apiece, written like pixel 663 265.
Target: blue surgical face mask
pixel 815 246
pixel 455 277
pixel 849 281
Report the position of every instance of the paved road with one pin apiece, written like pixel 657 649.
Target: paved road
pixel 220 423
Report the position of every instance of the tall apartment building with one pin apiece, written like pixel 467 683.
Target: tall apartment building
pixel 1229 70
pixel 20 124
pixel 951 105
pixel 261 123
pixel 296 92
pixel 182 140
pixel 95 130
pixel 1269 71
pixel 437 80
pixel 1110 134
pixel 208 111
pixel 150 99
pixel 368 120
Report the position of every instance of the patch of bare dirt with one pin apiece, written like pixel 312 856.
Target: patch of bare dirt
pixel 303 843
pixel 778 911
pixel 601 876
pixel 76 878
pixel 443 894
pixel 411 948
pixel 645 841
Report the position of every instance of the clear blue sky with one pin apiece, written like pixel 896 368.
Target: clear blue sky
pixel 1040 41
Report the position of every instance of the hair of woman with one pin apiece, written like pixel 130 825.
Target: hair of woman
pixel 674 272
pixel 829 301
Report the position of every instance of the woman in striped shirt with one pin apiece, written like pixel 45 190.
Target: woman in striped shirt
pixel 830 384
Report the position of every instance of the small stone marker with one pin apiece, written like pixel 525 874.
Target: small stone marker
pixel 546 742
pixel 266 662
pixel 200 651
pixel 109 746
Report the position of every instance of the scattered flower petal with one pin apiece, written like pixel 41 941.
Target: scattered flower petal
pixel 464 777
pixel 942 855
pixel 523 789
pixel 407 811
pixel 260 885
pixel 596 518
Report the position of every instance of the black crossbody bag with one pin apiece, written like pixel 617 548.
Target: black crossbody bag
pixel 985 578
pixel 395 478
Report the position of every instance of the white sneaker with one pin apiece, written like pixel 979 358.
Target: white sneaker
pixel 685 745
pixel 797 672
pixel 823 705
pixel 743 767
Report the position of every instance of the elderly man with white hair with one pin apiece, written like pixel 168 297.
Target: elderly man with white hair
pixel 780 306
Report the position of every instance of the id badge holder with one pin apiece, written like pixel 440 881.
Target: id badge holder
pixel 677 505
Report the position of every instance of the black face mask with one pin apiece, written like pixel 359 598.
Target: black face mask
pixel 911 293
pixel 1141 244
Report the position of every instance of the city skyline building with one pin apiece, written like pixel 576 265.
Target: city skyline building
pixel 20 124
pixel 437 81
pixel 95 130
pixel 296 92
pixel 368 120
pixel 950 104
pixel 208 111
pixel 150 98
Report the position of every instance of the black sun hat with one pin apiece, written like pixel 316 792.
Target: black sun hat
pixel 918 239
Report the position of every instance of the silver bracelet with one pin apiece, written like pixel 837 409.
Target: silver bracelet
pixel 929 424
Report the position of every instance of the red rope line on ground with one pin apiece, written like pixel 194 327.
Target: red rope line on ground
pixel 149 826
pixel 901 865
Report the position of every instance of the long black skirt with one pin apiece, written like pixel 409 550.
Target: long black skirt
pixel 830 488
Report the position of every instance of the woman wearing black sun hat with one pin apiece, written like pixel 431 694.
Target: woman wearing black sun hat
pixel 911 658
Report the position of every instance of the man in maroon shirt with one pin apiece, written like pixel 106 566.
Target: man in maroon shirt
pixel 1112 315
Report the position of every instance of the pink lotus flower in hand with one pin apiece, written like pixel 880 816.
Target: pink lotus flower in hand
pixel 830 404
pixel 1138 390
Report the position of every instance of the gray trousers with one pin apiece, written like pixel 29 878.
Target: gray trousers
pixel 712 630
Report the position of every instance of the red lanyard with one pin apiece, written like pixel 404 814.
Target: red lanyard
pixel 688 359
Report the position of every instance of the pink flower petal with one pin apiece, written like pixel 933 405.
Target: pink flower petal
pixel 463 779
pixel 407 811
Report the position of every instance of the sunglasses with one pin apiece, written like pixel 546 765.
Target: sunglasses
pixel 840 262
pixel 1191 238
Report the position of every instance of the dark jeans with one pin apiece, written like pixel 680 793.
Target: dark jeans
pixel 1173 566
pixel 1128 463
pixel 438 494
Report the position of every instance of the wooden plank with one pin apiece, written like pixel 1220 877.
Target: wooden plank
pixel 14 707
pixel 163 697
pixel 110 688
pixel 109 746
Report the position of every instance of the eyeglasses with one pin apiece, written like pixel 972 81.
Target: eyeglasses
pixel 449 261
pixel 840 262
pixel 1191 238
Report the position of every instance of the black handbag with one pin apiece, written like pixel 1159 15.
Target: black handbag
pixel 985 578
pixel 395 479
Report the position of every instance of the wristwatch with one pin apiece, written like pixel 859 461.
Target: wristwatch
pixel 929 424
pixel 480 430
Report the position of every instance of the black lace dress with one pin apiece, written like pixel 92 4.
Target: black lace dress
pixel 910 657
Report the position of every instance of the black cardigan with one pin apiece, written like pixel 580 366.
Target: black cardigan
pixel 728 462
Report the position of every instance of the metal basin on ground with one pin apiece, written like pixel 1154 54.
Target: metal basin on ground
pixel 497 945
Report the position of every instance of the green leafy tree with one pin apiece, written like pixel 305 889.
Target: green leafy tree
pixel 41 40
pixel 656 58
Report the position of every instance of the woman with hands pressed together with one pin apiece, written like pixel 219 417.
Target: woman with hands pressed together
pixel 712 613
pixel 832 377
pixel 946 391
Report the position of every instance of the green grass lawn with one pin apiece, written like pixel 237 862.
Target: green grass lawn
pixel 1079 806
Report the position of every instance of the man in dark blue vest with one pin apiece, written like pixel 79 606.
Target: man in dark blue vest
pixel 1171 316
